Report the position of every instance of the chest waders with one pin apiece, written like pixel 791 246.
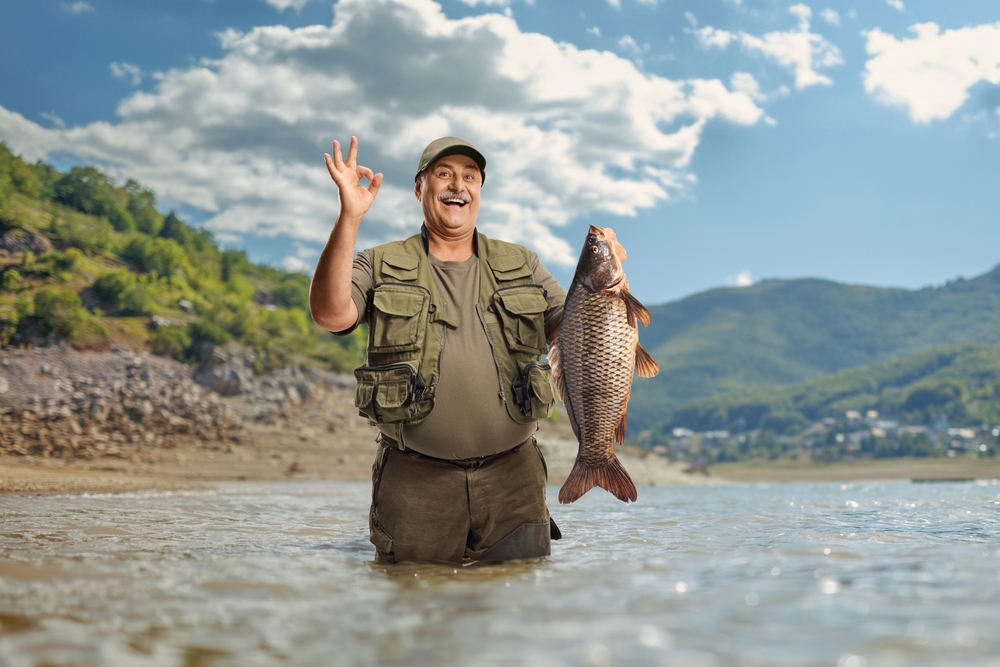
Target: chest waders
pixel 408 326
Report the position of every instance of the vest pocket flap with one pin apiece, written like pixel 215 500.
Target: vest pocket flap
pixel 364 394
pixel 510 267
pixel 541 385
pixel 400 267
pixel 396 302
pixel 527 302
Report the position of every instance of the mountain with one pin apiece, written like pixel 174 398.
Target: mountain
pixel 785 331
pixel 960 383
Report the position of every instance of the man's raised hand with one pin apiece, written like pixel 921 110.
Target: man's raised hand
pixel 355 200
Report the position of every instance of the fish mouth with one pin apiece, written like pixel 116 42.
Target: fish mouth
pixel 457 200
pixel 608 234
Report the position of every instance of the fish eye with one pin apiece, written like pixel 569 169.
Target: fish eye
pixel 594 248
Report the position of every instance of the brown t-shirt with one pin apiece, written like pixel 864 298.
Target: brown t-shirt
pixel 469 420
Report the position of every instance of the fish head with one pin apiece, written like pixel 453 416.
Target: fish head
pixel 600 264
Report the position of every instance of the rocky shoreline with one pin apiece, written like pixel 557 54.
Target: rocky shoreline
pixel 116 421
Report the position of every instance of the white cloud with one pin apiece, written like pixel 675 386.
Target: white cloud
pixel 742 279
pixel 617 4
pixel 830 16
pixel 282 5
pixel 594 31
pixel 567 132
pixel 627 43
pixel 79 7
pixel 799 49
pixel 896 4
pixel 488 3
pixel 931 74
pixel 127 71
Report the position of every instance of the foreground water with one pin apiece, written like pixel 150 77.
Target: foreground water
pixel 260 574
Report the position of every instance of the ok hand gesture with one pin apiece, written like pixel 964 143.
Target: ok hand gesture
pixel 355 200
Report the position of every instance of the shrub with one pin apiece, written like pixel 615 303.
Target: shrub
pixel 162 256
pixel 209 332
pixel 138 301
pixel 169 342
pixel 62 312
pixel 293 293
pixel 88 190
pixel 112 286
pixel 11 280
pixel 8 325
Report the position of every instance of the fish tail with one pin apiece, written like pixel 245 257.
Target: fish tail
pixel 611 477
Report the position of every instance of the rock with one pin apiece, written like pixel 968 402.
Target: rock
pixel 17 240
pixel 225 379
pixel 185 305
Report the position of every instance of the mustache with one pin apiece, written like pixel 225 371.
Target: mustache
pixel 451 194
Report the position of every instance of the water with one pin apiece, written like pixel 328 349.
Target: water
pixel 263 574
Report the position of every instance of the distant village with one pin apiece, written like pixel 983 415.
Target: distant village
pixel 852 436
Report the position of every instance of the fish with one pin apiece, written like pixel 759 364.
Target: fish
pixel 593 354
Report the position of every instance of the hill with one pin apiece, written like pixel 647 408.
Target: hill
pixel 90 262
pixel 958 384
pixel 785 331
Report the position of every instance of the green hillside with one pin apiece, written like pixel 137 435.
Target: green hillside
pixel 958 383
pixel 783 331
pixel 90 262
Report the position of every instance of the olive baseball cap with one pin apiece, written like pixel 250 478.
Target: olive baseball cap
pixel 450 146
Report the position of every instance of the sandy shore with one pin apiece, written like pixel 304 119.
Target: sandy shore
pixel 321 439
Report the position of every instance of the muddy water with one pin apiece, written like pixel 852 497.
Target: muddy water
pixel 792 574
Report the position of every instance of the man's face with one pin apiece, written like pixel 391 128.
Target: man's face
pixel 448 191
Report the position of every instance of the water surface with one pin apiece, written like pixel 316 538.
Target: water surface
pixel 280 573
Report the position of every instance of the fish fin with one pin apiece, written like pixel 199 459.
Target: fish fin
pixel 554 363
pixel 611 477
pixel 634 310
pixel 645 365
pixel 620 429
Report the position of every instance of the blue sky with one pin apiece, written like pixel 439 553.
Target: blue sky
pixel 725 141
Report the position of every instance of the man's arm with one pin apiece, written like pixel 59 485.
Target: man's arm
pixel 555 295
pixel 330 292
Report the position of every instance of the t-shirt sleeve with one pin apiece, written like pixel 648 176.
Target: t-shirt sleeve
pixel 555 295
pixel 362 278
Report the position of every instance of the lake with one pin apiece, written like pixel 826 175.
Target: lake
pixel 842 575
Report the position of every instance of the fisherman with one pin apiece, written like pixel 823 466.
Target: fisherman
pixel 454 381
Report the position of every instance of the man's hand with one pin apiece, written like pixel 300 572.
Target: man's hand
pixel 355 200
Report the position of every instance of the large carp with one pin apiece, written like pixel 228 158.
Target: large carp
pixel 593 355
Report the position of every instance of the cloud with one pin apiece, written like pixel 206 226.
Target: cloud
pixel 627 43
pixel 896 4
pixel 931 74
pixel 830 16
pixel 742 279
pixel 488 3
pixel 568 133
pixel 79 7
pixel 594 31
pixel 282 5
pixel 799 50
pixel 127 71
pixel 617 4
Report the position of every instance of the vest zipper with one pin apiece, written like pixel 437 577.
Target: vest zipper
pixel 496 360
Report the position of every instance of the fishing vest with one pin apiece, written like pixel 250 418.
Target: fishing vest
pixel 408 326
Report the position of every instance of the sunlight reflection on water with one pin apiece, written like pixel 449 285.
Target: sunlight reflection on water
pixel 256 574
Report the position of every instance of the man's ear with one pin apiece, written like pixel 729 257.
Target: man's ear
pixel 418 187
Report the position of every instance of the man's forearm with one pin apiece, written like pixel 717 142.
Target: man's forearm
pixel 330 293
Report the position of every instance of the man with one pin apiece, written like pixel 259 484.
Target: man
pixel 454 379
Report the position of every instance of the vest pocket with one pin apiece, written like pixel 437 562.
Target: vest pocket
pixel 385 393
pixel 522 313
pixel 534 390
pixel 398 317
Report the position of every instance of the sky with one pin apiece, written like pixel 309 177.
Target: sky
pixel 726 141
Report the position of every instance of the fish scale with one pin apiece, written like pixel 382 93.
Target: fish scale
pixel 593 356
pixel 596 340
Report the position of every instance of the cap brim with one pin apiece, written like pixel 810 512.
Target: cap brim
pixel 467 151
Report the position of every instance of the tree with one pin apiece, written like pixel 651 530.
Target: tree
pixel 88 190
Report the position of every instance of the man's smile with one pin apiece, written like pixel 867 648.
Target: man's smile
pixel 454 200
